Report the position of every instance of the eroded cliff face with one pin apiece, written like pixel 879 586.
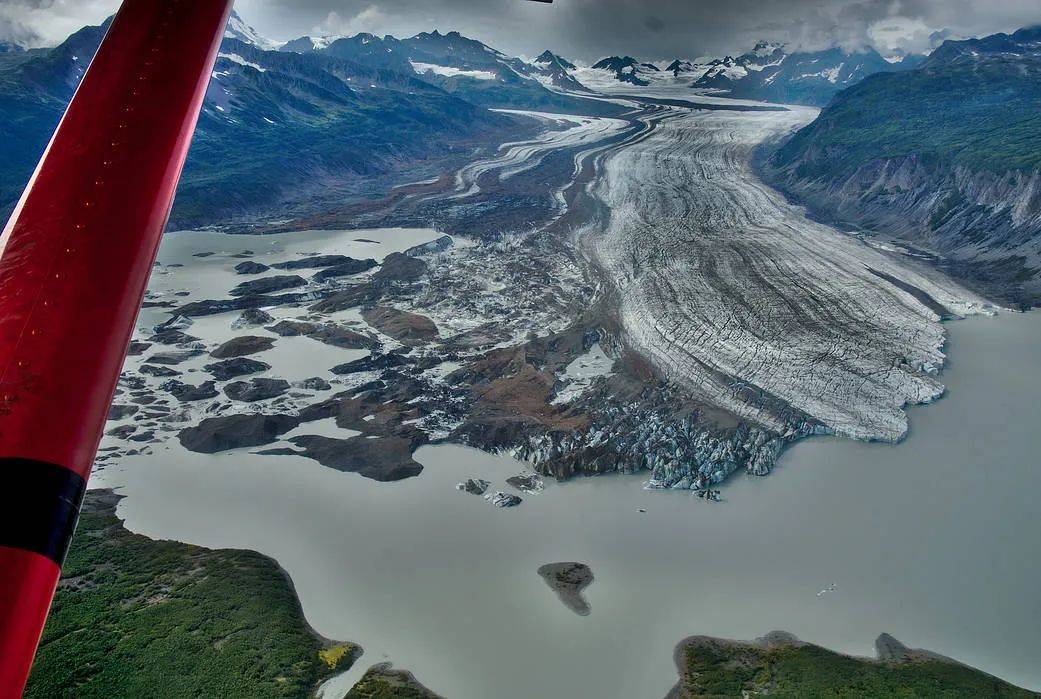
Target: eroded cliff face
pixel 982 227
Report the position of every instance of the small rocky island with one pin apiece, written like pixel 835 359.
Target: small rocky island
pixel 568 580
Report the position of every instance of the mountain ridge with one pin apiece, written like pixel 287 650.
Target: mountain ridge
pixel 943 157
pixel 278 131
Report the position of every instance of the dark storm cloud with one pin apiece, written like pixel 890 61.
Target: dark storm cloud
pixel 589 29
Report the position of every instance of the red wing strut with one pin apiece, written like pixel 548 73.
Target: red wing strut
pixel 74 262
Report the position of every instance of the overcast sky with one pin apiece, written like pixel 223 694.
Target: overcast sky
pixel 588 29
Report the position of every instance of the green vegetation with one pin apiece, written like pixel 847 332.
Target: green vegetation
pixel 332 657
pixel 382 682
pixel 981 117
pixel 135 617
pixel 714 668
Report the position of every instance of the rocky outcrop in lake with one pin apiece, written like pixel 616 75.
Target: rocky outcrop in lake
pixel 242 346
pixel 215 434
pixel 378 458
pixel 256 389
pixel 568 580
pixel 235 367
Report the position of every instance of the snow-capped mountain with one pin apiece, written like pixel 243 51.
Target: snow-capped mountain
pixel 461 66
pixel 627 69
pixel 305 44
pixel 547 57
pixel 770 74
pixel 553 71
pixel 273 123
pixel 766 73
pixel 238 29
pixel 680 66
pixel 477 72
pixel 279 116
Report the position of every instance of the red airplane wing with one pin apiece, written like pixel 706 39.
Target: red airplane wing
pixel 75 259
pixel 74 263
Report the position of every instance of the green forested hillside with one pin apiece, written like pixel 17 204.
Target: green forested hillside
pixel 972 103
pixel 714 668
pixel 135 617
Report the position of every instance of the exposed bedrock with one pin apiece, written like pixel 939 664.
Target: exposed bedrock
pixel 256 389
pixel 267 285
pixel 237 366
pixel 328 334
pixel 242 346
pixel 984 226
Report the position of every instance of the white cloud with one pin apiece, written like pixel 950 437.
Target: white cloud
pixel 370 20
pixel 900 34
pixel 589 29
pixel 48 22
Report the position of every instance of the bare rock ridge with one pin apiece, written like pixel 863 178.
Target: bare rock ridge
pixel 216 434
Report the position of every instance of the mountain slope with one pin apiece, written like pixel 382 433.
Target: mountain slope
pixel 945 157
pixel 280 132
pixel 679 66
pixel 557 70
pixel 302 130
pixel 35 87
pixel 466 68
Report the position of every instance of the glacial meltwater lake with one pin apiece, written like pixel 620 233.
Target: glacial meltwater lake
pixel 935 540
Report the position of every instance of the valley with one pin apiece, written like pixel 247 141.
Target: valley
pixel 614 330
pixel 418 290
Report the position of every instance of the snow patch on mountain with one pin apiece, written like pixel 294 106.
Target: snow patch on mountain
pixel 451 72
pixel 235 58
